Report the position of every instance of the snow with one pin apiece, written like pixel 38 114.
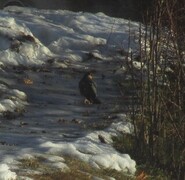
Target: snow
pixel 5 173
pixel 43 54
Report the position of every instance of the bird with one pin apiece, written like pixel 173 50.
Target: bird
pixel 88 89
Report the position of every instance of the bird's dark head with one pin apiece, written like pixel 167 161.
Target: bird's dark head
pixel 89 75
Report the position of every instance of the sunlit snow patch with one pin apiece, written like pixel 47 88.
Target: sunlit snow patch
pixel 6 174
pixel 11 99
pixel 18 45
pixel 98 154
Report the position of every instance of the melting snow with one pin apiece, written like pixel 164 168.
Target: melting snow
pixel 45 115
pixel 5 173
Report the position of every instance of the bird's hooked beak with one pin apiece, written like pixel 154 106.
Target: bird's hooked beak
pixel 90 76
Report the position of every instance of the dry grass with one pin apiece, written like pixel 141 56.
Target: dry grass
pixel 78 171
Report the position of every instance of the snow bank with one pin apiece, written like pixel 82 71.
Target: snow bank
pixel 6 174
pixel 18 45
pixel 11 99
pixel 91 150
pixel 31 37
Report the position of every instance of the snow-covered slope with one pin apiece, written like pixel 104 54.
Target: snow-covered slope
pixel 43 55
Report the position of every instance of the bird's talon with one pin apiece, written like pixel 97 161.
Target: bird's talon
pixel 86 101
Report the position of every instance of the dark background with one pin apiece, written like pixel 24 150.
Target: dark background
pixel 129 9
